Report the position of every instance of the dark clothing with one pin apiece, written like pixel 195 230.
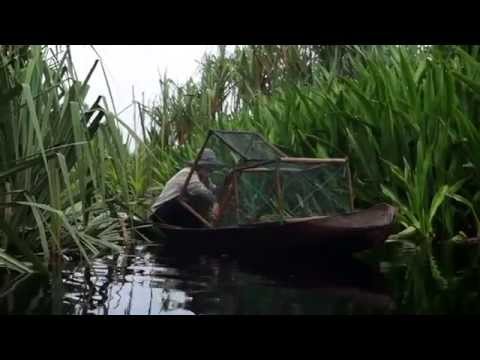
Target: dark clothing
pixel 173 213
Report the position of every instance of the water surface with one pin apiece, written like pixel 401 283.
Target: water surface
pixel 148 281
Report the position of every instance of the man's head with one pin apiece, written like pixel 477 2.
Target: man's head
pixel 207 162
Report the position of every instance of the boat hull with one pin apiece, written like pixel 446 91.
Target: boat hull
pixel 342 234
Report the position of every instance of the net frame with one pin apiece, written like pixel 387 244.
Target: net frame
pixel 221 134
pixel 315 163
pixel 255 163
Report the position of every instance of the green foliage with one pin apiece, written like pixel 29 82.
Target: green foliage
pixel 406 117
pixel 52 141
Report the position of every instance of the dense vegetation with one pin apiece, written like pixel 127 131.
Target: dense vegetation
pixel 55 162
pixel 405 116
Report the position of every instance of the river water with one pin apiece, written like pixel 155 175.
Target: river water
pixel 146 280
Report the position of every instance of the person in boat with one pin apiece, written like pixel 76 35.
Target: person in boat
pixel 200 195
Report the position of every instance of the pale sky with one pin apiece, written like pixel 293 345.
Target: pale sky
pixel 136 65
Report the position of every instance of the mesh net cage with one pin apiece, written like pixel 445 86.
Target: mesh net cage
pixel 258 183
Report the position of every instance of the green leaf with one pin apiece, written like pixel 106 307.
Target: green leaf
pixel 43 237
pixel 67 225
pixel 405 233
pixel 10 262
pixel 437 201
pixel 474 85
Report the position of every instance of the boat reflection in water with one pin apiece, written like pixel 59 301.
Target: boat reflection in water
pixel 148 281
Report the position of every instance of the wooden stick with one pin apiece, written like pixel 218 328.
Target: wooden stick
pixel 350 186
pixel 255 165
pixel 312 160
pixel 236 151
pixel 273 147
pixel 194 166
pixel 196 214
pixel 279 191
pixel 223 203
pixel 237 197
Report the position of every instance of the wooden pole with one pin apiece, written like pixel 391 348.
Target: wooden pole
pixel 224 200
pixel 312 160
pixel 237 197
pixel 196 214
pixel 252 166
pixel 279 190
pixel 349 175
pixel 194 166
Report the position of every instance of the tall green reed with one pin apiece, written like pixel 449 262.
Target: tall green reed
pixel 53 192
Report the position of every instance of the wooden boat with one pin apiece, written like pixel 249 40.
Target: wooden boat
pixel 339 234
pixel 344 231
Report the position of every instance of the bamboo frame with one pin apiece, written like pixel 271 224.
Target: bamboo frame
pixel 223 204
pixel 237 195
pixel 350 186
pixel 276 150
pixel 315 164
pixel 195 163
pixel 279 191
pixel 264 169
pixel 229 146
pixel 254 167
pixel 184 188
pixel 226 196
pixel 313 160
